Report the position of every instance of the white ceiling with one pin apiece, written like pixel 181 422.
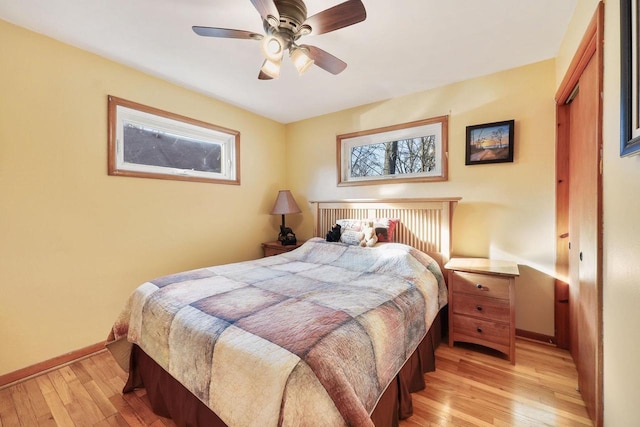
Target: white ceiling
pixel 403 46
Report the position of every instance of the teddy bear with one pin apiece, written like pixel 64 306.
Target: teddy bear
pixel 368 235
pixel 334 234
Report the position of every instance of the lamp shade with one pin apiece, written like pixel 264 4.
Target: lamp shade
pixel 285 204
pixel 300 58
pixel 271 68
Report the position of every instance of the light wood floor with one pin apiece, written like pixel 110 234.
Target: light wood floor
pixel 473 386
pixel 469 388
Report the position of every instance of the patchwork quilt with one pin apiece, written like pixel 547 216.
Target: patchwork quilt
pixel 309 337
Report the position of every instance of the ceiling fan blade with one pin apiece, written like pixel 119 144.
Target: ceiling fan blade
pixel 340 16
pixel 264 76
pixel 266 8
pixel 226 33
pixel 325 60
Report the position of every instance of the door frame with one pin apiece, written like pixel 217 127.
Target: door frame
pixel 591 46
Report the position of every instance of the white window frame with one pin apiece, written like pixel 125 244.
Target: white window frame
pixel 122 112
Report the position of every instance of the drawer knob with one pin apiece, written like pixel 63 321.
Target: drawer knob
pixel 478 285
pixel 479 308
pixel 479 330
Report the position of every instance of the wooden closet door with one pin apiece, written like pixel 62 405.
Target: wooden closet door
pixel 579 208
pixel 584 172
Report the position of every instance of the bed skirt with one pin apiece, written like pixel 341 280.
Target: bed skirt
pixel 171 399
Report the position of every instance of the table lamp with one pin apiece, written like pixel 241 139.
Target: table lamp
pixel 285 204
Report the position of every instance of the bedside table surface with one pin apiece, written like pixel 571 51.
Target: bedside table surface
pixel 277 244
pixel 277 248
pixel 483 265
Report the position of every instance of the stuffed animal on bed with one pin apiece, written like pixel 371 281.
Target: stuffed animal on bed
pixel 334 234
pixel 369 237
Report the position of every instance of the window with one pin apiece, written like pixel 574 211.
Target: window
pixel 413 151
pixel 147 142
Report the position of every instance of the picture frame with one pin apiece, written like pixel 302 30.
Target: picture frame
pixel 629 78
pixel 409 152
pixel 146 142
pixel 490 143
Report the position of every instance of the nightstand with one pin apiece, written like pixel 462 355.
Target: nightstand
pixel 276 248
pixel 482 303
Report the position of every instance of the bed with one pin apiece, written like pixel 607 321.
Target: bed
pixel 327 334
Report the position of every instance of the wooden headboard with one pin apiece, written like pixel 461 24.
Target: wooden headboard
pixel 424 224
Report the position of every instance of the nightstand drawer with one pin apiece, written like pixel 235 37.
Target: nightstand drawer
pixel 270 251
pixel 482 303
pixel 277 248
pixel 484 332
pixel 481 285
pixel 485 308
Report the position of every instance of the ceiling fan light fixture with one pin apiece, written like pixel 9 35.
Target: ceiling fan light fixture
pixel 273 48
pixel 272 21
pixel 284 23
pixel 300 58
pixel 304 30
pixel 271 68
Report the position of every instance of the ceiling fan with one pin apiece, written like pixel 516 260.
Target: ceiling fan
pixel 285 22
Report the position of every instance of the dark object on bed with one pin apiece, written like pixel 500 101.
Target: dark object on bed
pixel 334 234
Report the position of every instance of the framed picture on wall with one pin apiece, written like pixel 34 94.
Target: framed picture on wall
pixel 629 77
pixel 490 143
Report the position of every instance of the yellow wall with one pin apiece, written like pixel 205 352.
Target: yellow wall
pixel 621 287
pixel 507 210
pixel 74 242
pixel 577 26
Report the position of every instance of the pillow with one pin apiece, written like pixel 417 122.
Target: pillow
pixel 351 237
pixel 350 224
pixel 385 228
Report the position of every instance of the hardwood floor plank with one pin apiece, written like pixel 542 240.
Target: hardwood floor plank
pixel 450 415
pixel 67 374
pixel 45 385
pixel 113 421
pixel 83 409
pixel 80 372
pixel 100 377
pixel 60 386
pixel 58 410
pixel 22 404
pixel 47 421
pixel 40 408
pixel 101 400
pixel 105 362
pixel 8 413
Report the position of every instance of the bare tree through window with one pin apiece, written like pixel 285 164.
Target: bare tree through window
pixel 407 156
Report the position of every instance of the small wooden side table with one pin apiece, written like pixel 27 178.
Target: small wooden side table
pixel 482 303
pixel 277 248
